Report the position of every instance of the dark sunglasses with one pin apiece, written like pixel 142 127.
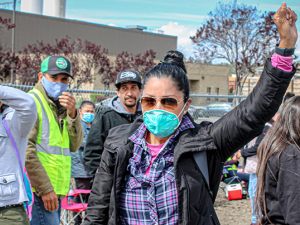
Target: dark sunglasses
pixel 168 103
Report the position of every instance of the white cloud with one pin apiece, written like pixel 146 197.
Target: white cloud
pixel 184 43
pixel 119 22
pixel 112 25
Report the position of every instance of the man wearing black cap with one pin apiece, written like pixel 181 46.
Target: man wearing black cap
pixel 124 108
pixel 56 133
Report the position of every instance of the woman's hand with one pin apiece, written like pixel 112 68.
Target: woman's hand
pixel 285 20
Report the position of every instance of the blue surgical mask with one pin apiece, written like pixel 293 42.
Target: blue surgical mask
pixel 54 89
pixel 88 117
pixel 162 123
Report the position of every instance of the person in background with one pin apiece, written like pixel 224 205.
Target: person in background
pixel 82 178
pixel 19 111
pixel 231 169
pixel 287 96
pixel 123 109
pixel 251 150
pixel 278 183
pixel 56 133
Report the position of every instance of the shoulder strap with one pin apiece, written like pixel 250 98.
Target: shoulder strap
pixel 13 143
pixel 201 160
pixel 17 153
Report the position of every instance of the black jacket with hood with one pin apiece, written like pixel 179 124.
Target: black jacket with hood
pixel 220 140
pixel 246 152
pixel 106 119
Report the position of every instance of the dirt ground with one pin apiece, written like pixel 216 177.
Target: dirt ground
pixel 233 212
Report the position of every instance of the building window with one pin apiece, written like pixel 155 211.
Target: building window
pixel 209 93
pixel 217 93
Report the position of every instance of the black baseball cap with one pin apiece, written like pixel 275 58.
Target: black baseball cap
pixel 128 76
pixel 57 64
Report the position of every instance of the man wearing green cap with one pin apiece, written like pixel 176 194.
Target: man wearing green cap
pixel 56 133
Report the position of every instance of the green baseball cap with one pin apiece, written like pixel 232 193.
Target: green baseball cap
pixel 57 64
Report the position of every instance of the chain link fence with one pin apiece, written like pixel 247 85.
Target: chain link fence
pixel 203 107
pixel 100 98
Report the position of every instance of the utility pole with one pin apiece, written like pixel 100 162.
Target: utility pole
pixel 13 44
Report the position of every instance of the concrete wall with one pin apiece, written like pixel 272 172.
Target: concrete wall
pixel 31 27
pixel 203 76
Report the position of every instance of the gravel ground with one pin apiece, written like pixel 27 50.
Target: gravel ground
pixel 233 212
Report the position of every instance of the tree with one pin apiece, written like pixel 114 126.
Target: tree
pixel 6 24
pixel 127 60
pixel 87 58
pixel 6 60
pixel 239 35
pixel 144 62
pixel 6 57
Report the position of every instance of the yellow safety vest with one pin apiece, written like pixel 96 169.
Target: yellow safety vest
pixel 233 166
pixel 53 147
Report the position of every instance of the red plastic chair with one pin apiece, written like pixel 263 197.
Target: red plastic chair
pixel 67 218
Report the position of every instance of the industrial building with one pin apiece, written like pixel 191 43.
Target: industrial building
pixel 41 24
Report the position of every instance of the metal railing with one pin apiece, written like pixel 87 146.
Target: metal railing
pixel 204 107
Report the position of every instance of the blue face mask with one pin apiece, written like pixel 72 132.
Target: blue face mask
pixel 161 123
pixel 54 89
pixel 88 117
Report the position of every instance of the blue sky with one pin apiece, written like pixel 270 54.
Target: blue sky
pixel 179 18
pixel 174 17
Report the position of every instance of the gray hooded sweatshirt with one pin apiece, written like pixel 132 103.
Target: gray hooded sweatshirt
pixel 114 115
pixel 117 106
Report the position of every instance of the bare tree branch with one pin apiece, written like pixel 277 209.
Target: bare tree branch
pixel 239 35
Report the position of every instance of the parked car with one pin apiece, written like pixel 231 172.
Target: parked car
pixel 103 104
pixel 216 109
pixel 193 111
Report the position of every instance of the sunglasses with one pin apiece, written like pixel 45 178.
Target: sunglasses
pixel 168 103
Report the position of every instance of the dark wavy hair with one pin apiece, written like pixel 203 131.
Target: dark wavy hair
pixel 84 103
pixel 287 96
pixel 172 67
pixel 285 131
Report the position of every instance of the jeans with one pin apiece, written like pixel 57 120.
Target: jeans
pixel 242 176
pixel 251 192
pixel 41 216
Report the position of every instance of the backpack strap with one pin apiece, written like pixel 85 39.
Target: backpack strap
pixel 17 153
pixel 201 160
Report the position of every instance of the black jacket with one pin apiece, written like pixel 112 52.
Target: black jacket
pixel 282 187
pixel 246 152
pixel 103 122
pixel 220 139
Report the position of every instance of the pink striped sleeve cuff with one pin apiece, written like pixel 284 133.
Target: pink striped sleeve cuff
pixel 282 62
